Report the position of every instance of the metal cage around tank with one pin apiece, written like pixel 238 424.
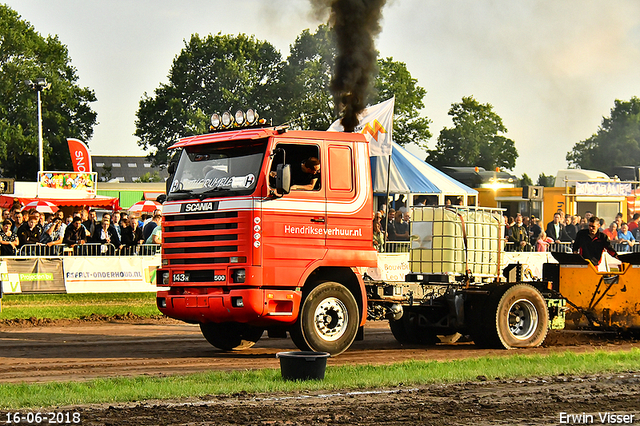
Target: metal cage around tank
pixel 454 240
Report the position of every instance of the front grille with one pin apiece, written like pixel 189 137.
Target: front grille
pixel 201 238
pixel 199 261
pixel 213 226
pixel 199 216
pixel 209 249
pixel 194 239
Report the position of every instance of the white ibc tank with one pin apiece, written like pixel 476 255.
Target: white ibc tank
pixel 451 239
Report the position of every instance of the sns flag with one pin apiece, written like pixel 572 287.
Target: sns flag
pixel 376 123
pixel 80 156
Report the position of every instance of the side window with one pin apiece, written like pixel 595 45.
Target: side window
pixel 340 167
pixel 305 165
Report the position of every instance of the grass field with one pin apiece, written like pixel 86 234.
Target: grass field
pixel 71 306
pixel 411 373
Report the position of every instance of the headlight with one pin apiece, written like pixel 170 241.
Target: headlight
pixel 239 117
pixel 251 116
pixel 215 120
pixel 226 119
pixel 238 276
pixel 165 278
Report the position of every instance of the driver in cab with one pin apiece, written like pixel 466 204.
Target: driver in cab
pixel 306 177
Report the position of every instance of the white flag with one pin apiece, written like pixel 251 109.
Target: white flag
pixel 376 123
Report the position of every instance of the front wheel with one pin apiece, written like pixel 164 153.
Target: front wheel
pixel 328 320
pixel 231 336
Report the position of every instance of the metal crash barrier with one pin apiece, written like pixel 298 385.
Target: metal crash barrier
pixel 141 250
pixel 40 250
pixel 84 268
pixel 90 249
pixel 620 248
pixel 397 246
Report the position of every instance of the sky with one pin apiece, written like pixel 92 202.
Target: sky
pixel 551 69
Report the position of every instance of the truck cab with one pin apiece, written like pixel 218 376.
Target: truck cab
pixel 242 253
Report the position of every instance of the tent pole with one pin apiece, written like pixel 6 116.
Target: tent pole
pixel 386 227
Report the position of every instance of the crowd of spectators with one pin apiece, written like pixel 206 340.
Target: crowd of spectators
pixel 525 233
pixel 391 228
pixel 119 230
pixel 522 233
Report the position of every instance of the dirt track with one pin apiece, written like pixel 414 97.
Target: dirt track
pixel 81 350
pixel 523 402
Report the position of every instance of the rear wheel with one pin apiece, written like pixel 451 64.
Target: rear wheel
pixel 413 329
pixel 231 336
pixel 328 320
pixel 516 318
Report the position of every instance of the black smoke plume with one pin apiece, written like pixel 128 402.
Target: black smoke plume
pixel 355 24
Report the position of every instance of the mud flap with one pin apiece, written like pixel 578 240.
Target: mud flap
pixel 455 301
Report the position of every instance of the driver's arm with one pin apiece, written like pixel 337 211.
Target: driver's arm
pixel 308 187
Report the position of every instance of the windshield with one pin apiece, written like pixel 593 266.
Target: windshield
pixel 231 168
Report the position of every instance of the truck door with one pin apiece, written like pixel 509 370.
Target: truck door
pixel 295 224
pixel 349 204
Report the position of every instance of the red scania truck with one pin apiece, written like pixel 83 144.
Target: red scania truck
pixel 243 253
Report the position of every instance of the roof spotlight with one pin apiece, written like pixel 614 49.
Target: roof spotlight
pixel 252 116
pixel 215 120
pixel 227 119
pixel 240 117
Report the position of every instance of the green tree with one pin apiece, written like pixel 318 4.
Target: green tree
pixel 526 180
pixel 394 79
pixel 617 142
pixel 475 139
pixel 220 73
pixel 150 177
pixel 306 95
pixel 66 111
pixel 107 173
pixel 211 74
pixel 306 101
pixel 546 180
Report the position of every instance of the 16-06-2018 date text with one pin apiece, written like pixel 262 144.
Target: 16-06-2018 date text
pixel 38 418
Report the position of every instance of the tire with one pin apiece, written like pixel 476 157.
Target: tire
pixel 515 318
pixel 231 336
pixel 411 329
pixel 328 320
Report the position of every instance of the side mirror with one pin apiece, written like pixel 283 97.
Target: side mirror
pixel 172 168
pixel 283 178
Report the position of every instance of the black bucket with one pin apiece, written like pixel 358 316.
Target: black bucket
pixel 304 365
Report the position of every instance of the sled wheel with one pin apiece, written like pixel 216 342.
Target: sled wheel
pixel 231 336
pixel 328 320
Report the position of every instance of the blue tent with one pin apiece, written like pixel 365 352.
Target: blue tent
pixel 411 175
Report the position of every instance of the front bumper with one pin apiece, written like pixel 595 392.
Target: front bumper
pixel 254 306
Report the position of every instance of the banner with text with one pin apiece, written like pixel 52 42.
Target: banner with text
pixel 110 274
pixel 603 188
pixel 32 276
pixel 391 267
